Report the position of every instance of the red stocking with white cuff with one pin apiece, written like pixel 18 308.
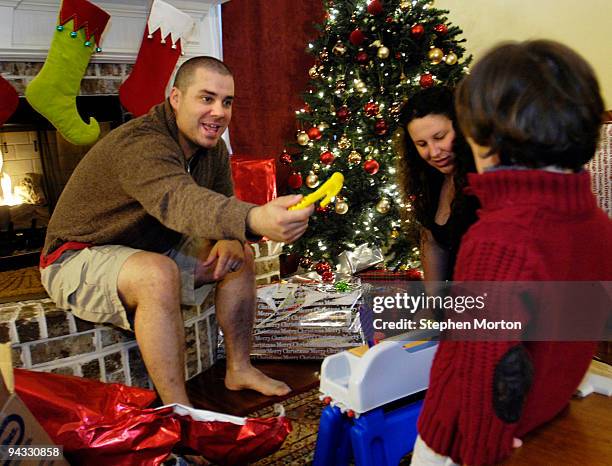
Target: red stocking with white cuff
pixel 9 100
pixel 157 57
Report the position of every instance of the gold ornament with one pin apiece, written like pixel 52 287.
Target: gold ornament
pixel 316 167
pixel 341 206
pixel 339 49
pixel 324 55
pixel 313 72
pixel 451 58
pixel 302 138
pixel 360 86
pixel 340 85
pixel 354 158
pixel 383 52
pixel 344 142
pixel 404 5
pixel 382 207
pixel 435 55
pixel 312 180
pixel 395 234
pixel 322 126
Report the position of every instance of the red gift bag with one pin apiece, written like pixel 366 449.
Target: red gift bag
pixel 110 424
pixel 254 179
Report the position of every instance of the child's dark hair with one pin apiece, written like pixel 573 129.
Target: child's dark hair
pixel 535 103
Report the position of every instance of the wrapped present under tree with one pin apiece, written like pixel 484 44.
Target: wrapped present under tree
pixel 254 178
pixel 304 321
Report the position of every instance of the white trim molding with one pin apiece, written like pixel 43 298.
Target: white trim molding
pixel 26 29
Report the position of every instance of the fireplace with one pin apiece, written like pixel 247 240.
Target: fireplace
pixel 35 164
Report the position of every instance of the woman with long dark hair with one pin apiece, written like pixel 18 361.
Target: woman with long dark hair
pixel 432 165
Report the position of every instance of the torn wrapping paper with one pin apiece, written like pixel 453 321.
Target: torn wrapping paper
pixel 362 257
pixel 304 321
pixel 110 424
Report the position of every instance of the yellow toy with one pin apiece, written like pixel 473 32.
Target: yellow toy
pixel 327 190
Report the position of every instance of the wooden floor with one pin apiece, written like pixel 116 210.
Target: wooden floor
pixel 207 391
pixel 580 435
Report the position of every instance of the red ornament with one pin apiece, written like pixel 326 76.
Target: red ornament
pixel 389 19
pixel 356 37
pixel 414 274
pixel 326 158
pixel 371 166
pixel 371 109
pixel 441 29
pixel 381 127
pixel 323 210
pixel 375 7
pixel 417 31
pixel 343 114
pixel 295 180
pixel 398 55
pixel 305 262
pixel 362 57
pixel 307 108
pixel 327 277
pixel 314 133
pixel 426 80
pixel 285 158
pixel 321 267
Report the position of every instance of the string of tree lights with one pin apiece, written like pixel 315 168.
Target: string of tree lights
pixel 370 57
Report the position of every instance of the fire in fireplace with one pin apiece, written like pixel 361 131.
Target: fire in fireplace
pixel 35 165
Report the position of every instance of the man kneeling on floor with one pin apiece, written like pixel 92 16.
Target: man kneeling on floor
pixel 147 222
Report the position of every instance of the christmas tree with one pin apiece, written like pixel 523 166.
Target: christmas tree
pixel 370 57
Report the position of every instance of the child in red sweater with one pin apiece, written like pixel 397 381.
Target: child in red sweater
pixel 531 112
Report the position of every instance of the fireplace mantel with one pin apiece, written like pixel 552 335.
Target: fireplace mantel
pixel 26 28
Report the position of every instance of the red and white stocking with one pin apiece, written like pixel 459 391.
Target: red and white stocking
pixel 9 100
pixel 157 57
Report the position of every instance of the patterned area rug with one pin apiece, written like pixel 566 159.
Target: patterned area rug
pixel 304 411
pixel 21 284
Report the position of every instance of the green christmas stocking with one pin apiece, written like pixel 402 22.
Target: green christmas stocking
pixel 52 93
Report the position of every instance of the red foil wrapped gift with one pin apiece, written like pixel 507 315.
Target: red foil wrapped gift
pixel 109 424
pixel 254 179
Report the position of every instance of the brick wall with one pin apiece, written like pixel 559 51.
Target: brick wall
pixel 45 338
pixel 99 79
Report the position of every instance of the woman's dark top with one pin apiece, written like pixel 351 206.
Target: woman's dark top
pixel 448 236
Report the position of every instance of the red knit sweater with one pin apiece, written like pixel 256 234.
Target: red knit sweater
pixel 533 226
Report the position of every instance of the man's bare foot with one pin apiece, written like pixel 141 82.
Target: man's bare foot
pixel 254 379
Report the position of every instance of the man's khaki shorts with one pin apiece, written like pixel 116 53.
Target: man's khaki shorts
pixel 85 281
